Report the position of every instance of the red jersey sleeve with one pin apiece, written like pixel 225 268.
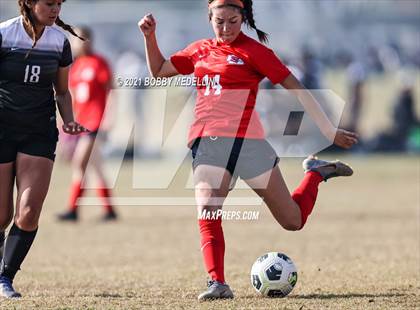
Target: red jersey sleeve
pixel 184 60
pixel 266 62
pixel 104 72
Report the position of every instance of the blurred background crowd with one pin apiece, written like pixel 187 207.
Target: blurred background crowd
pixel 367 52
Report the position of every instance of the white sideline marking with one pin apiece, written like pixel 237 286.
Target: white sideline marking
pixel 167 201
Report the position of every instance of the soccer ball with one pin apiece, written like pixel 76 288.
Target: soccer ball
pixel 273 275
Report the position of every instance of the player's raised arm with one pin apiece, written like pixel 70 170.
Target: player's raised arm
pixel 340 137
pixel 158 65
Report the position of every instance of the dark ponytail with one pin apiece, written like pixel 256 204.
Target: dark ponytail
pixel 250 22
pixel 248 17
pixel 68 28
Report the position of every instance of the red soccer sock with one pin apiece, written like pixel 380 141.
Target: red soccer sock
pixel 105 194
pixel 76 191
pixel 305 195
pixel 213 248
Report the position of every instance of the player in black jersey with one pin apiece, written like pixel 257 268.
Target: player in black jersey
pixel 34 64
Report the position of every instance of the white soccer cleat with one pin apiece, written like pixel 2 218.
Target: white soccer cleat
pixel 327 169
pixel 216 290
pixel 6 288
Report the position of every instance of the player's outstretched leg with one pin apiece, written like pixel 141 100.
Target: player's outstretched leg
pixel 292 210
pixel 316 171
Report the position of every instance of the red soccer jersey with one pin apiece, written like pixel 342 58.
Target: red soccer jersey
pixel 228 77
pixel 89 81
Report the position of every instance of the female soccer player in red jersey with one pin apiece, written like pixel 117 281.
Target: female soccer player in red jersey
pixel 34 63
pixel 236 64
pixel 90 82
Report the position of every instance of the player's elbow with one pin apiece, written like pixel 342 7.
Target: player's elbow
pixel 166 69
pixel 159 73
pixel 156 74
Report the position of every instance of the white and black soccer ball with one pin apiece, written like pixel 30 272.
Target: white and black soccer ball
pixel 273 275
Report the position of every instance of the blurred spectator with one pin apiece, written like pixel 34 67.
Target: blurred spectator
pixel 130 66
pixel 311 69
pixel 389 57
pixel 270 111
pixel 373 60
pixel 356 74
pixel 405 127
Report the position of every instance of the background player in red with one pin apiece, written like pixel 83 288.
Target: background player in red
pixel 34 64
pixel 90 83
pixel 227 138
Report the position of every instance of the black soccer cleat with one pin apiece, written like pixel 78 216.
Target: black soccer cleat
pixel 110 216
pixel 68 216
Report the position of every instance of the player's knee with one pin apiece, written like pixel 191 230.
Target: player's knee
pixel 291 225
pixel 80 164
pixel 208 200
pixel 78 170
pixel 28 217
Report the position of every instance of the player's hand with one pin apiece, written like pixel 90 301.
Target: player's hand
pixel 74 128
pixel 345 139
pixel 147 25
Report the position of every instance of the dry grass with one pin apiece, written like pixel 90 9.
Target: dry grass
pixel 360 249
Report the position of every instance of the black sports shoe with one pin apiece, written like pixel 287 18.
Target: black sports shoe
pixel 109 216
pixel 68 216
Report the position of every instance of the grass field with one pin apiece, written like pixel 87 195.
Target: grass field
pixel 359 250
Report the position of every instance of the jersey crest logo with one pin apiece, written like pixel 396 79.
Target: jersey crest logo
pixel 202 52
pixel 234 60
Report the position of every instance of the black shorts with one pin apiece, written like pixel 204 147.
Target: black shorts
pixel 246 158
pixel 42 145
pixel 93 134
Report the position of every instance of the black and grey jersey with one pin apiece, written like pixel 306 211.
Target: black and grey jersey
pixel 26 84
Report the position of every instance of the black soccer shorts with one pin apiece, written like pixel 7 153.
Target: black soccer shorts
pixel 41 145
